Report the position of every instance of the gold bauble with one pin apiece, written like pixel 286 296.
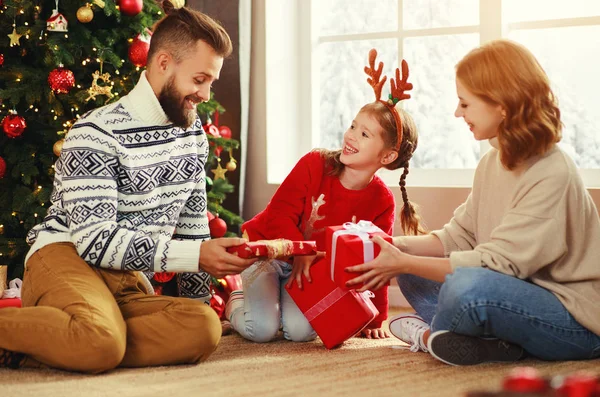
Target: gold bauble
pixel 231 166
pixel 178 3
pixel 57 147
pixel 85 14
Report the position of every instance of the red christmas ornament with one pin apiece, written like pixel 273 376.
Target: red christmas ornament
pixel 138 49
pixel 131 7
pixel 225 132
pixel 1 59
pixel 217 227
pixel 13 124
pixel 61 80
pixel 210 216
pixel 525 380
pixel 163 277
pixel 213 131
pixel 218 305
pixel 2 168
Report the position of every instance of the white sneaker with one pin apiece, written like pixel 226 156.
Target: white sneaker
pixel 235 302
pixel 409 328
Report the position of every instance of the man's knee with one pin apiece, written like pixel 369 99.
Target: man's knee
pixel 204 332
pixel 96 351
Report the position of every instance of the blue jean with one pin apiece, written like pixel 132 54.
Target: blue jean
pixel 268 306
pixel 485 303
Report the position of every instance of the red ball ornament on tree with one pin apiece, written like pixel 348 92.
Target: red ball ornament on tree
pixel 61 80
pixel 217 227
pixel 213 131
pixel 210 216
pixel 131 7
pixel 138 50
pixel 1 59
pixel 2 168
pixel 225 132
pixel 13 125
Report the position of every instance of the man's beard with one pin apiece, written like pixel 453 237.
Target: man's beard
pixel 173 105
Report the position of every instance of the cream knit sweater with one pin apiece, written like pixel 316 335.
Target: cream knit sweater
pixel 537 222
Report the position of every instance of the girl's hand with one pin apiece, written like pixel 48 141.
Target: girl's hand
pixel 378 272
pixel 301 266
pixel 374 333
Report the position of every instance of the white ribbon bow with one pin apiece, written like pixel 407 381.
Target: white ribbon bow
pixel 14 290
pixel 360 229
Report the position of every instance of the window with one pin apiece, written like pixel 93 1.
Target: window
pixel 332 39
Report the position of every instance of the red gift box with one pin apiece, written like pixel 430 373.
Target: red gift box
pixel 10 302
pixel 335 314
pixel 350 245
pixel 273 249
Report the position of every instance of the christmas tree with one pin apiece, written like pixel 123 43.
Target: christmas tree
pixel 58 60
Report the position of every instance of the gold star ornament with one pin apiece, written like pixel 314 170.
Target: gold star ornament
pixel 219 172
pixel 14 38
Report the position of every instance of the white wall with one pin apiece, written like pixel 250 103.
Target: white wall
pixel 436 204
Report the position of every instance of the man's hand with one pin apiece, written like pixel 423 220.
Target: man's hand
pixel 389 263
pixel 302 266
pixel 216 261
pixel 374 333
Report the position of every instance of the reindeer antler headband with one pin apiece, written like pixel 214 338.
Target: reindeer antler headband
pixel 398 88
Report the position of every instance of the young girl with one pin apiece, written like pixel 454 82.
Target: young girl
pixel 523 249
pixel 328 188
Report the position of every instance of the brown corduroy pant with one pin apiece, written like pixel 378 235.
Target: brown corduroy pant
pixel 79 318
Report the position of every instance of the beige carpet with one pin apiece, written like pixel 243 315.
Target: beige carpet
pixel 239 368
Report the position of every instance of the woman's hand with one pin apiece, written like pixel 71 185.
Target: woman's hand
pixel 301 266
pixel 374 333
pixel 389 263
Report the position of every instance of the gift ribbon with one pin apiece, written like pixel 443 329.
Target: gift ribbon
pixel 360 229
pixel 331 298
pixel 14 290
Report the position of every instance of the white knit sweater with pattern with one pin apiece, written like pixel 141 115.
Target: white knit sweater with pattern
pixel 129 190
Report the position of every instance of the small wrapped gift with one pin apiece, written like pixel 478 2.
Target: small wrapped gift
pixel 335 314
pixel 350 245
pixel 10 302
pixel 274 249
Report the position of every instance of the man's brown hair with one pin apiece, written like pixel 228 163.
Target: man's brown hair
pixel 180 30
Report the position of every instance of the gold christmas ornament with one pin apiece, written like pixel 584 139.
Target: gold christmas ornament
pixel 57 147
pixel 85 14
pixel 96 89
pixel 14 38
pixel 178 3
pixel 219 172
pixel 231 165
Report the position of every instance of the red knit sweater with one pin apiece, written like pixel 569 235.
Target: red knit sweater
pixel 309 200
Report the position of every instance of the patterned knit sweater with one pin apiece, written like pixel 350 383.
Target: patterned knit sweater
pixel 129 190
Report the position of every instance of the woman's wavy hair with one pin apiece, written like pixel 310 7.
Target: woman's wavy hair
pixel 409 217
pixel 181 28
pixel 505 73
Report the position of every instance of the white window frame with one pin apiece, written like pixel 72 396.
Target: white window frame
pixel 292 97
